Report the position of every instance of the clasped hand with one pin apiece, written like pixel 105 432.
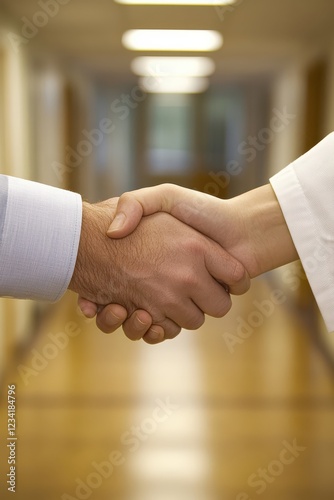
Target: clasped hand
pixel 153 272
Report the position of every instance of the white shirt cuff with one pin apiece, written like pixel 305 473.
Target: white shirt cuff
pixel 304 190
pixel 40 239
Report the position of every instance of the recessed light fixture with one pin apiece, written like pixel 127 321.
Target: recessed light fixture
pixel 173 85
pixel 173 66
pixel 177 2
pixel 172 40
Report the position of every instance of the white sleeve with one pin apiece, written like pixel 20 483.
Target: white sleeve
pixel 39 237
pixel 305 191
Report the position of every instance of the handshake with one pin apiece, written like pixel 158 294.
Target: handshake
pixel 158 259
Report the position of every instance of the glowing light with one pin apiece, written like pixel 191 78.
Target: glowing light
pixel 172 40
pixel 173 85
pixel 173 66
pixel 177 2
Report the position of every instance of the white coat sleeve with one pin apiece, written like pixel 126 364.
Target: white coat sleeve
pixel 305 192
pixel 39 237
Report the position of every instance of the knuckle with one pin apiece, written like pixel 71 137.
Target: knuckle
pixel 194 323
pixel 130 332
pixel 104 327
pixel 126 194
pixel 238 274
pixel 189 278
pixel 167 187
pixel 224 307
pixel 172 332
pixel 194 245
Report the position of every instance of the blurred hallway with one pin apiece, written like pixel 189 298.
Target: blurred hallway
pixel 243 408
pixel 205 417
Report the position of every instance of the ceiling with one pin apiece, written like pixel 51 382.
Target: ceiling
pixel 259 35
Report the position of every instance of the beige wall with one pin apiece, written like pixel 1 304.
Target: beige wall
pixel 288 93
pixel 289 90
pixel 329 124
pixel 15 159
pixel 34 132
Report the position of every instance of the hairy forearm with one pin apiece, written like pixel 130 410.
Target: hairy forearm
pixel 95 253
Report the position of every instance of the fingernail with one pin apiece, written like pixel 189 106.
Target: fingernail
pixel 111 318
pixel 140 324
pixel 154 335
pixel 88 312
pixel 117 223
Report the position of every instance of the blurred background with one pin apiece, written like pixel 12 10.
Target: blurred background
pixel 244 407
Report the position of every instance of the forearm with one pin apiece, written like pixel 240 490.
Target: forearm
pixel 81 277
pixel 263 241
pixel 96 255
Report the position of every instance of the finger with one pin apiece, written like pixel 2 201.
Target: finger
pixel 136 326
pixel 88 309
pixel 152 334
pixel 111 317
pixel 133 206
pixel 212 298
pixel 226 269
pixel 170 328
pixel 157 334
pixel 186 313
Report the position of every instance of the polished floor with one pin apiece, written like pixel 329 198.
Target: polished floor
pixel 241 409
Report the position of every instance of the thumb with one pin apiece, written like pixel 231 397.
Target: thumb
pixel 191 207
pixel 88 308
pixel 227 270
pixel 128 215
pixel 134 205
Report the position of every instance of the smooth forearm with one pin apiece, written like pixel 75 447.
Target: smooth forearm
pixel 264 242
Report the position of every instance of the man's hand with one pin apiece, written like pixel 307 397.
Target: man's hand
pixel 112 316
pixel 164 267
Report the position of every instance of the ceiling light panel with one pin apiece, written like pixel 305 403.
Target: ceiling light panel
pixel 173 66
pixel 173 85
pixel 172 40
pixel 178 2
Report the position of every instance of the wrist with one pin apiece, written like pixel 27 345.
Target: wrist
pixel 93 243
pixel 265 237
